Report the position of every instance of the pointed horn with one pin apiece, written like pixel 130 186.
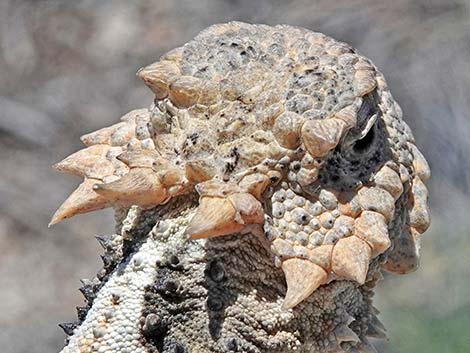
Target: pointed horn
pixel 404 258
pixel 90 162
pixel 158 76
pixel 371 227
pixel 106 241
pixel 376 326
pixel 83 199
pixel 218 216
pixel 344 334
pixel 141 186
pixel 420 164
pixel 321 136
pixel 419 213
pixel 303 278
pixel 123 134
pixel 214 216
pixel 101 136
pixel 350 259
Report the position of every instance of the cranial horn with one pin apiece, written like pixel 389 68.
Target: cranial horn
pixel 350 259
pixel 158 77
pixel 90 162
pixel 101 136
pixel 404 258
pixel 321 136
pixel 344 334
pixel 216 216
pixel 420 164
pixel 303 278
pixel 419 213
pixel 372 227
pixel 140 186
pixel 83 199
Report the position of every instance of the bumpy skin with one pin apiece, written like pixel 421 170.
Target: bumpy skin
pixel 257 200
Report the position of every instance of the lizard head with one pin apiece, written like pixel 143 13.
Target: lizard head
pixel 284 133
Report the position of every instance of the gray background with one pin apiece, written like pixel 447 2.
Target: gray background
pixel 68 67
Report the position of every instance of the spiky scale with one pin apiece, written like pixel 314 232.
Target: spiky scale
pixel 302 277
pixel 81 312
pixel 140 186
pixel 83 199
pixel 105 241
pixel 68 327
pixel 350 259
pixel 90 162
pixel 102 136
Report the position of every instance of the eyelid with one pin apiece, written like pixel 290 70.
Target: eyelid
pixel 350 140
pixel 368 126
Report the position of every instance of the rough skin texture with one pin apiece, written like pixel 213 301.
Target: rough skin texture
pixel 257 200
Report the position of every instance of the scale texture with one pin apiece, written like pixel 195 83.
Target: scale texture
pixel 257 200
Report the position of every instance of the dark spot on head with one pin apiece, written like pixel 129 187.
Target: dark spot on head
pixel 168 287
pixel 295 166
pixel 174 263
pixel 115 298
pixel 179 348
pixel 174 260
pixel 154 330
pixel 232 344
pixel 152 324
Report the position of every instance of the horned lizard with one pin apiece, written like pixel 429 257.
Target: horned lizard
pixel 257 200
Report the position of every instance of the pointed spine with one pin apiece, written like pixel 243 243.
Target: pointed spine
pixel 350 259
pixel 303 278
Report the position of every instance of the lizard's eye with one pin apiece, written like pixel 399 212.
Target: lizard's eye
pixel 361 139
pixel 363 144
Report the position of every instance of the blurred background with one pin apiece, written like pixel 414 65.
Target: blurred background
pixel 68 68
